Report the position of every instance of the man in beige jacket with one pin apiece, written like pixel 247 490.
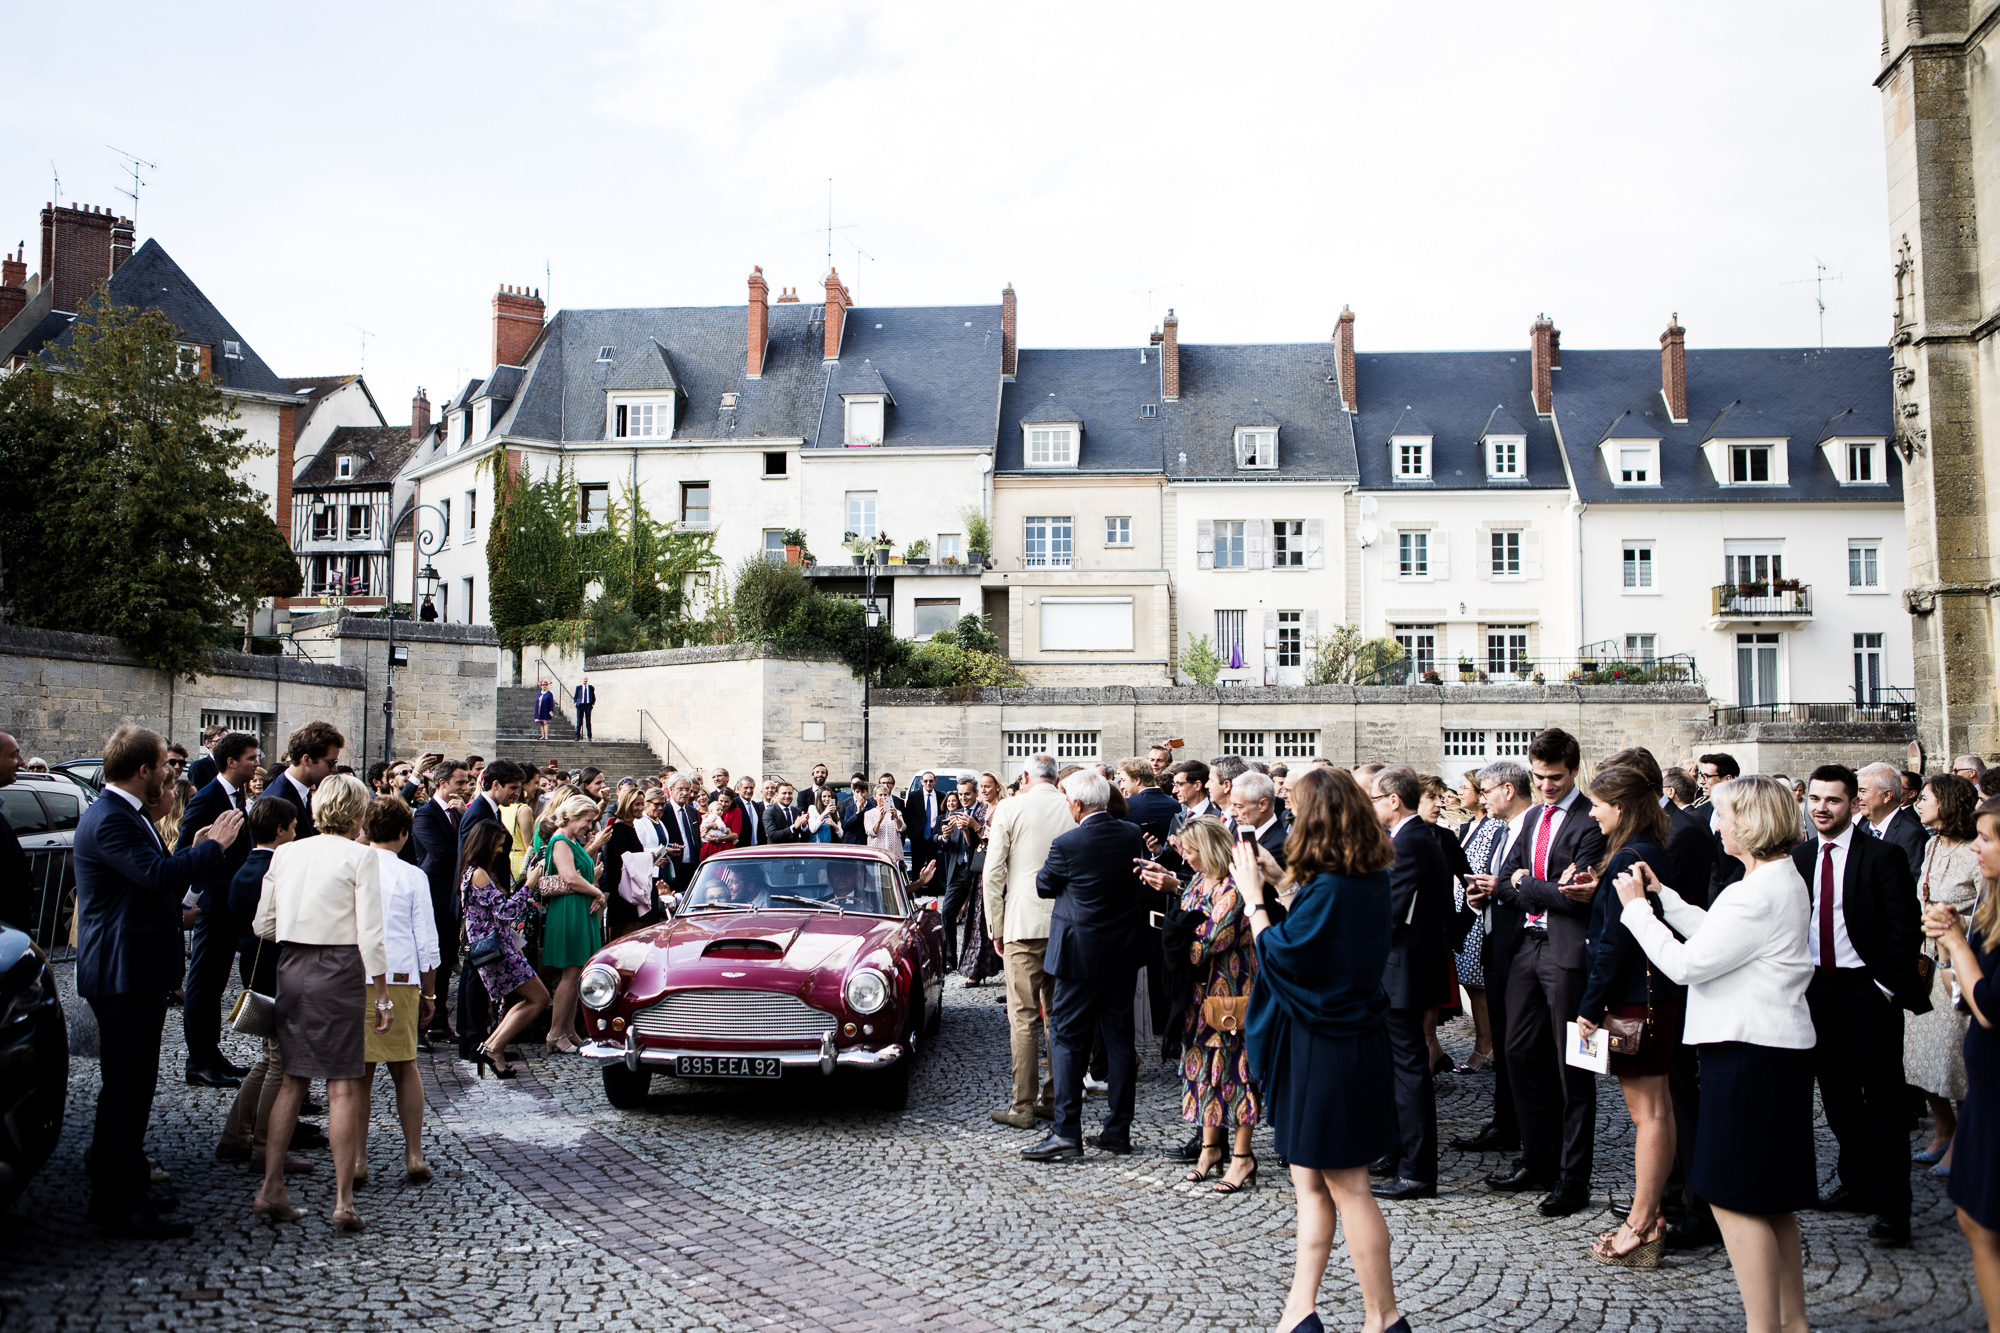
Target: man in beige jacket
pixel 1016 845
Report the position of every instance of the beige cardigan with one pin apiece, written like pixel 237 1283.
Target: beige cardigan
pixel 1017 844
pixel 325 890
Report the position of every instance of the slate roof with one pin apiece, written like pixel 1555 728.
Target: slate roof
pixel 1452 397
pixel 150 279
pixel 1288 385
pixel 383 450
pixel 310 389
pixel 1733 393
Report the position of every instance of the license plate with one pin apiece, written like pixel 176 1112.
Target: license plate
pixel 726 1066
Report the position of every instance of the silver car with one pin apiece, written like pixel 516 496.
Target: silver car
pixel 43 810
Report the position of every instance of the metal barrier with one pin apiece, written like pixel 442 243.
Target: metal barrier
pixel 52 890
pixel 1902 712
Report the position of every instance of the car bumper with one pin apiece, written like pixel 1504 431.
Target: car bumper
pixel 826 1059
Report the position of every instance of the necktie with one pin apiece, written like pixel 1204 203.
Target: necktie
pixel 1826 958
pixel 1542 842
pixel 452 815
pixel 236 798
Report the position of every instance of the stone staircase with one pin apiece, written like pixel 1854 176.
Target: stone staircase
pixel 517 737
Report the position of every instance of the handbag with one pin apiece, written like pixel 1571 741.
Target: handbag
pixel 255 1015
pixel 1628 1035
pixel 486 950
pixel 1225 1013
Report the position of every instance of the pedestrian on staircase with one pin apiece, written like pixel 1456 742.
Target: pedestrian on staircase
pixel 545 707
pixel 585 698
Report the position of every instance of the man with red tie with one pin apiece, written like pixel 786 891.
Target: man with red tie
pixel 1555 1102
pixel 1865 933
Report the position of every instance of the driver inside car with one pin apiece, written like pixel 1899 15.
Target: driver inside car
pixel 731 887
pixel 848 887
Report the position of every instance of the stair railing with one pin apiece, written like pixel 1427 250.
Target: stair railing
pixel 667 748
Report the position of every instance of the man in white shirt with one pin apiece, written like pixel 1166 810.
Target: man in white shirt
pixel 683 831
pixel 1879 806
pixel 1506 788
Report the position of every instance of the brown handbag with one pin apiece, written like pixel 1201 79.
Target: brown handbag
pixel 1628 1035
pixel 1225 1013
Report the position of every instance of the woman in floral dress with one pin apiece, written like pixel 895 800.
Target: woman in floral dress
pixel 1934 1043
pixel 491 909
pixel 1215 1064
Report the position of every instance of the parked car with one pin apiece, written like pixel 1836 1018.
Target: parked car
pixel 43 810
pixel 778 959
pixel 34 1062
pixel 86 772
pixel 947 779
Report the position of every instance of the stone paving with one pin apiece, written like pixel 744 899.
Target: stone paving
pixel 792 1206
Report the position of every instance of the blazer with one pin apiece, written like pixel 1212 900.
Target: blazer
pixel 753 824
pixel 1908 833
pixel 1417 975
pixel 917 815
pixel 1745 960
pixel 128 899
pixel 1879 903
pixel 1577 841
pixel 1017 842
pixel 777 826
pixel 584 696
pixel 257 959
pixel 1691 852
pixel 437 848
pixel 281 787
pixel 1095 918
pixel 202 808
pixel 1153 811
pixel 481 810
pixel 326 890
pixel 1618 966
pixel 202 772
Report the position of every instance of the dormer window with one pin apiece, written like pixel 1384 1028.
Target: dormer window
pixel 1856 462
pixel 1050 446
pixel 1257 448
pixel 343 467
pixel 232 351
pixel 1504 455
pixel 642 419
pixel 604 353
pixel 865 414
pixel 1749 463
pixel 465 426
pixel 1411 457
pixel 1632 462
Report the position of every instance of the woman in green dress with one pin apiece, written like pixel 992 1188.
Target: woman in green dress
pixel 573 929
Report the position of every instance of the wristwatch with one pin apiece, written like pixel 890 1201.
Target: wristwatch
pixel 1254 908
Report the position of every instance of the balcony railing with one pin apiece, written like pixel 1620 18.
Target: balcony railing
pixel 1883 709
pixel 1782 600
pixel 1678 669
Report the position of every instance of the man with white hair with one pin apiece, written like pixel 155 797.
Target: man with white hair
pixel 683 832
pixel 1017 843
pixel 1093 953
pixel 1968 766
pixel 1253 804
pixel 1880 805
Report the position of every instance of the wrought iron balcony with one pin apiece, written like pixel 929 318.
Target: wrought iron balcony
pixel 1779 599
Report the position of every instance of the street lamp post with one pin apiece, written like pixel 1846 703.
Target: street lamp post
pixel 425 543
pixel 871 616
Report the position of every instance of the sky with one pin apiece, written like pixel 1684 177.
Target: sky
pixel 351 184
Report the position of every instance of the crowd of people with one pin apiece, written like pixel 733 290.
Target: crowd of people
pixel 1720 944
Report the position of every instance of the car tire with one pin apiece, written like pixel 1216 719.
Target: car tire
pixel 626 1088
pixel 890 1089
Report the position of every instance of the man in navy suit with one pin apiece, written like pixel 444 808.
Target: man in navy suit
pixel 923 812
pixel 128 956
pixel 1417 977
pixel 1151 809
pixel 1093 953
pixel 1879 811
pixel 215 929
pixel 204 768
pixel 435 831
pixel 585 699
pixel 311 754
pixel 503 787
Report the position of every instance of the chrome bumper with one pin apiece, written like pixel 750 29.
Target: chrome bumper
pixel 827 1058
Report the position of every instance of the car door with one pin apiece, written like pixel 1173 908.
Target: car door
pixel 29 820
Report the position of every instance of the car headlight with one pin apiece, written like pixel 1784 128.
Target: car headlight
pixel 598 987
pixel 867 991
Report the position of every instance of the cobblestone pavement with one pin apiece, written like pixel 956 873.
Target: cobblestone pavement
pixel 792 1206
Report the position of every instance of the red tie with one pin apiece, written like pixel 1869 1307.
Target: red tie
pixel 1826 958
pixel 453 815
pixel 1542 842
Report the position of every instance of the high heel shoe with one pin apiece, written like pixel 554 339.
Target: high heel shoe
pixel 1646 1254
pixel 484 1058
pixel 1480 1060
pixel 1310 1324
pixel 274 1213
pixel 1442 1065
pixel 346 1219
pixel 1226 1187
pixel 1200 1172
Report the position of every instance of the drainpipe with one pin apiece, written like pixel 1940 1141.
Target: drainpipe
pixel 1582 507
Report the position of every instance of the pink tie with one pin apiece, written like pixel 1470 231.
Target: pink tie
pixel 1542 842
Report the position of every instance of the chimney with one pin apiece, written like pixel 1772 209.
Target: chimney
pixel 121 243
pixel 838 299
pixel 420 417
pixel 517 322
pixel 1009 344
pixel 13 286
pixel 1343 350
pixel 1170 359
pixel 1674 369
pixel 790 296
pixel 76 252
pixel 760 323
pixel 1542 360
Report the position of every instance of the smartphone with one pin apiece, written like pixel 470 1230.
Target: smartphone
pixel 1156 918
pixel 1244 834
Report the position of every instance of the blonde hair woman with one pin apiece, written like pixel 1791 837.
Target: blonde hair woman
pixel 1218 1091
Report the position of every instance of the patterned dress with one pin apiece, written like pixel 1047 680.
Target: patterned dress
pixel 1934 1043
pixel 488 910
pixel 1482 840
pixel 1215 1066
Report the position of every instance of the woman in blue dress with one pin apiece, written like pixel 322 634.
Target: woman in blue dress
pixel 1972 955
pixel 1318 1030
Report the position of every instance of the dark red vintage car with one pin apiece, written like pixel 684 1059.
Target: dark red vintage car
pixel 781 958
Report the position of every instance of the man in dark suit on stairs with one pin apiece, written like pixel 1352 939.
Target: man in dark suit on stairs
pixel 215 930
pixel 1417 977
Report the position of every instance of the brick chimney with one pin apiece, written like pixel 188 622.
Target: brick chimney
pixel 838 300
pixel 76 252
pixel 420 417
pixel 517 322
pixel 1542 360
pixel 1343 348
pixel 13 286
pixel 790 296
pixel 1009 344
pixel 121 243
pixel 1170 359
pixel 1674 369
pixel 760 323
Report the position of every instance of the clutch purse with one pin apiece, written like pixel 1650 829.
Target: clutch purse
pixel 1626 1035
pixel 1225 1013
pixel 485 950
pixel 255 1015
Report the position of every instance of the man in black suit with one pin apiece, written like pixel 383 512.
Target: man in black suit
pixel 435 831
pixel 1554 1102
pixel 1092 954
pixel 753 812
pixel 1146 806
pixel 1417 975
pixel 784 820
pixel 204 768
pixel 128 927
pixel 923 811
pixel 1880 812
pixel 1507 789
pixel 1724 868
pixel 215 929
pixel 503 787
pixel 1253 804
pixel 584 698
pixel 311 754
pixel 683 823
pixel 1865 932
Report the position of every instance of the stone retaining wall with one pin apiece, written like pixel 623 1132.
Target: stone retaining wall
pixel 445 693
pixel 1796 748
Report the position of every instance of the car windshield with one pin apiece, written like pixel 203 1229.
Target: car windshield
pixel 799 882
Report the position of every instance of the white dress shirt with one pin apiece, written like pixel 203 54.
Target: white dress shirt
pixel 1844 954
pixel 134 802
pixel 1555 814
pixel 409 927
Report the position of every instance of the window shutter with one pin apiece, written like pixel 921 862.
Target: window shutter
pixel 1256 541
pixel 1204 544
pixel 1271 631
pixel 1531 553
pixel 1440 554
pixel 1315 543
pixel 1390 544
pixel 1308 630
pixel 1482 564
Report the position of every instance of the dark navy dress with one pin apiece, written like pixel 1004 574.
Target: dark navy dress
pixel 1975 1154
pixel 1318 1025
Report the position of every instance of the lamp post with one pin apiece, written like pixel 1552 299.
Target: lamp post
pixel 425 542
pixel 871 616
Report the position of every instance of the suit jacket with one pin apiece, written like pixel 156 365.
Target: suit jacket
pixel 1879 903
pixel 917 816
pixel 1273 840
pixel 584 696
pixel 1576 841
pixel 683 831
pixel 777 826
pixel 1906 832
pixel 1017 843
pixel 1153 811
pixel 1420 901
pixel 1690 855
pixel 202 808
pixel 281 787
pixel 128 900
pixel 202 772
pixel 257 959
pixel 481 810
pixel 437 857
pixel 1094 923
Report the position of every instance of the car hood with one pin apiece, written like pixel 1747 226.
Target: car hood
pixel 759 950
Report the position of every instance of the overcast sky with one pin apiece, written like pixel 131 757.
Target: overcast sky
pixel 1449 170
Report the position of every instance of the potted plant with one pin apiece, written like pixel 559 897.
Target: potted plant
pixel 1522 672
pixel 978 535
pixel 1589 665
pixel 860 548
pixel 1540 679
pixel 917 552
pixel 795 545
pixel 1432 677
pixel 1482 678
pixel 882 545
pixel 1466 670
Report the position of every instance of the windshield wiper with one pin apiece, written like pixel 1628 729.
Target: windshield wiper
pixel 804 902
pixel 723 907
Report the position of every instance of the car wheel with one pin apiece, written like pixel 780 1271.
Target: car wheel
pixel 626 1088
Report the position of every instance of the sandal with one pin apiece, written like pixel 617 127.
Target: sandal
pixel 1479 1061
pixel 1227 1187
pixel 346 1219
pixel 1200 1172
pixel 275 1212
pixel 1644 1253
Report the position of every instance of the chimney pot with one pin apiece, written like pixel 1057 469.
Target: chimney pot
pixel 838 301
pixel 1170 359
pixel 420 417
pixel 517 322
pixel 78 252
pixel 1343 346
pixel 1009 343
pixel 759 340
pixel 1673 369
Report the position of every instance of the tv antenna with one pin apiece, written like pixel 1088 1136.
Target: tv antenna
pixel 830 228
pixel 1819 281
pixel 366 334
pixel 56 188
pixel 1150 292
pixel 133 164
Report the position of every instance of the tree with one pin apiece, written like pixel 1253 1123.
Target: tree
pixel 130 515
pixel 1201 662
pixel 535 558
pixel 1346 657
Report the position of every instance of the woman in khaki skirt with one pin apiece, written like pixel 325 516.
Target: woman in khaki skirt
pixel 323 901
pixel 409 934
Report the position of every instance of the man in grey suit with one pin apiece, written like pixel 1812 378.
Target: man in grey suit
pixel 1883 814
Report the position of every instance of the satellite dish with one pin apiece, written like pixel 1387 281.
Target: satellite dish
pixel 1368 506
pixel 1366 532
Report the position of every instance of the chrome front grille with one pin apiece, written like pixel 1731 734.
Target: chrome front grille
pixel 733 1015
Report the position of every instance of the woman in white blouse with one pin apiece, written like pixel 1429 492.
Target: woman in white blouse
pixel 409 933
pixel 1746 963
pixel 883 821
